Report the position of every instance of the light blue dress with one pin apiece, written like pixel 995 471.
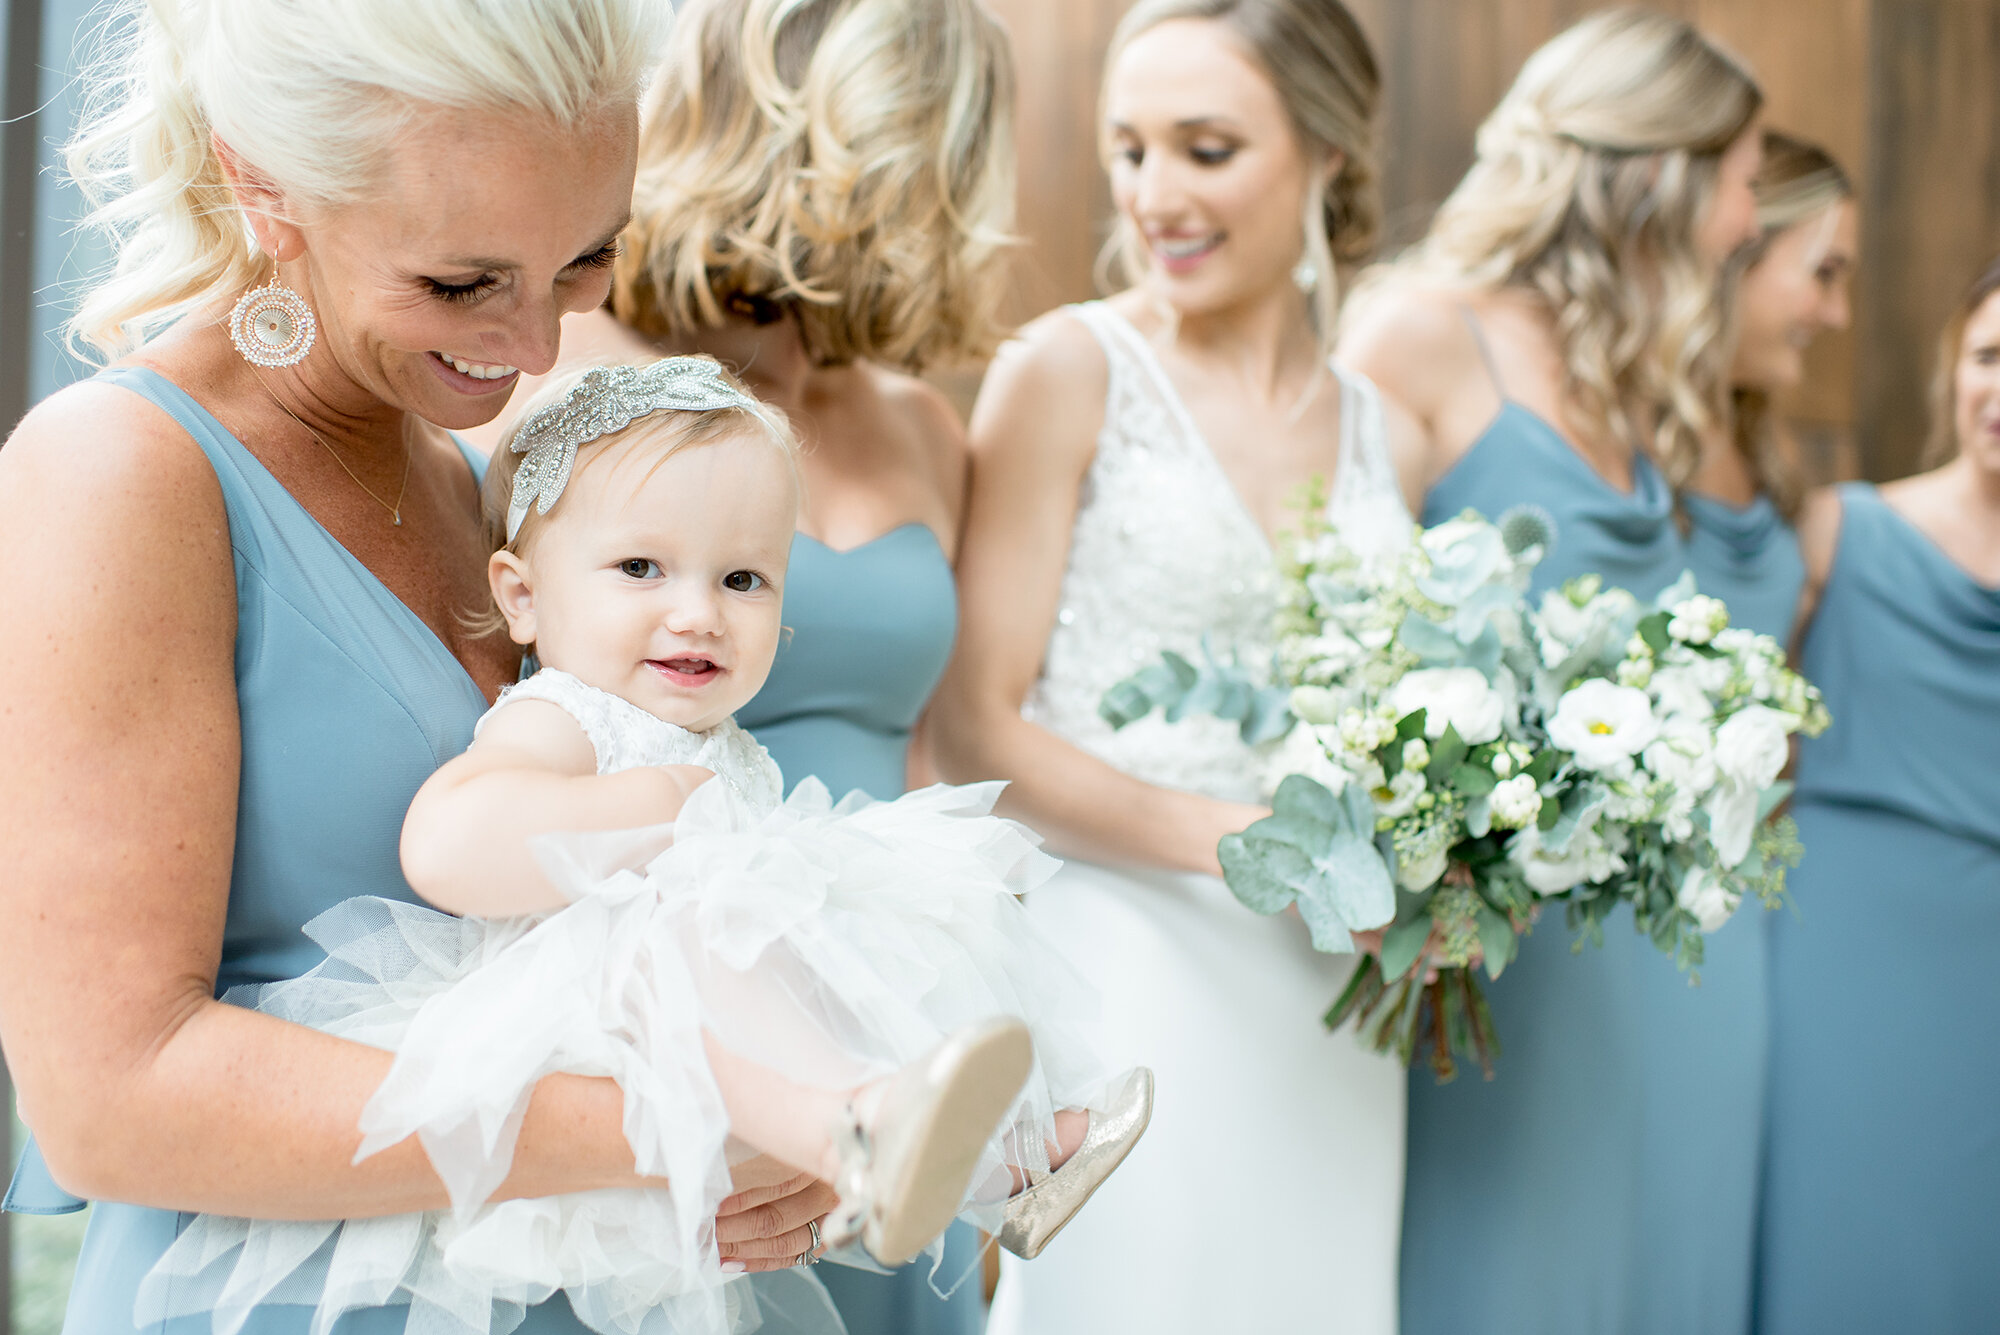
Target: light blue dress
pixel 348 703
pixel 1882 1189
pixel 870 631
pixel 1605 1182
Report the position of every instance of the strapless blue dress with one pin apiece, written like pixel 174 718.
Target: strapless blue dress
pixel 348 703
pixel 1605 1182
pixel 869 631
pixel 1884 1160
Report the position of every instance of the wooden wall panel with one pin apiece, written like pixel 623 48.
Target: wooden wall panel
pixel 1931 213
pixel 1902 91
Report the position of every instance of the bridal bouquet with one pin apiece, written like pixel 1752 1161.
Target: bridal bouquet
pixel 1458 757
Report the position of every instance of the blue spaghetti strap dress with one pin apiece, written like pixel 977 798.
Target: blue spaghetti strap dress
pixel 1604 1183
pixel 348 703
pixel 869 632
pixel 1884 1161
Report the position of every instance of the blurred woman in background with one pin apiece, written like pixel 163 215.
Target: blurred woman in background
pixel 1883 1162
pixel 1559 341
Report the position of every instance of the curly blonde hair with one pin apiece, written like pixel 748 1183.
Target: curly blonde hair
pixel 849 163
pixel 1324 71
pixel 1798 182
pixel 310 96
pixel 1590 180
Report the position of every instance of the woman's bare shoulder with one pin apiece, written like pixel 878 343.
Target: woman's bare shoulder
pixel 1050 378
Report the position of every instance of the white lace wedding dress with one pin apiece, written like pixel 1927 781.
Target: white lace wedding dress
pixel 1267 1195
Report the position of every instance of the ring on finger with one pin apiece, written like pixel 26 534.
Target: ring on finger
pixel 813 1225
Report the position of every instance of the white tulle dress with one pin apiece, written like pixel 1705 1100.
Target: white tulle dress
pixel 832 943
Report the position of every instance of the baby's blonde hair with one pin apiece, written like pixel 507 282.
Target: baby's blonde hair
pixel 1590 182
pixel 309 96
pixel 849 163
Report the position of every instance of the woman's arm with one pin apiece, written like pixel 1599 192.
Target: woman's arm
pixel 531 772
pixel 1034 432
pixel 118 721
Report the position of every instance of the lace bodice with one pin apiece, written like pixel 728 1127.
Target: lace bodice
pixel 1163 553
pixel 626 737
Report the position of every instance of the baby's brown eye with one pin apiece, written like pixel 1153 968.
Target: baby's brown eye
pixel 742 581
pixel 638 567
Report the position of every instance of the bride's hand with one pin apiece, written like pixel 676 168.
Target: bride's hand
pixel 766 1225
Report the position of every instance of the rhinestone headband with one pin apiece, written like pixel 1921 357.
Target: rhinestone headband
pixel 608 399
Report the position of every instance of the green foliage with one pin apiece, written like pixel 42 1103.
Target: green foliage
pixel 1180 688
pixel 1316 850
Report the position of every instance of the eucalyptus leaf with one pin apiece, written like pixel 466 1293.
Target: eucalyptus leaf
pixel 1473 781
pixel 1302 797
pixel 1124 703
pixel 1497 940
pixel 1401 945
pixel 1579 809
pixel 1263 874
pixel 1479 817
pixel 1269 717
pixel 1350 885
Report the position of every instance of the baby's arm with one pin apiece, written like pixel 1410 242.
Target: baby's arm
pixel 531 772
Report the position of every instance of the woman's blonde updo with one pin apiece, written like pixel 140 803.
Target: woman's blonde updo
pixel 1798 183
pixel 308 94
pixel 1319 62
pixel 847 162
pixel 1590 181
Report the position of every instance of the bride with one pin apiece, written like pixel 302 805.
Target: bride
pixel 1135 460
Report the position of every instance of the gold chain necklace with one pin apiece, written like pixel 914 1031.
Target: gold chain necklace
pixel 396 510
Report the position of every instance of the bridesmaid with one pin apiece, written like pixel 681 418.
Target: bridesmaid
pixel 1558 339
pixel 1743 500
pixel 1131 459
pixel 823 201
pixel 1884 1162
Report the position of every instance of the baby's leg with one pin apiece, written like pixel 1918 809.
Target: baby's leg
pixel 787 1120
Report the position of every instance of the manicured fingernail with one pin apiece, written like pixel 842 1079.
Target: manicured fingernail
pixel 734 1268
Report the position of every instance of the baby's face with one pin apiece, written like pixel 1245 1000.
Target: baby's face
pixel 662 580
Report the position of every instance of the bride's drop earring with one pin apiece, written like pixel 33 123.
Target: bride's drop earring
pixel 1305 275
pixel 272 326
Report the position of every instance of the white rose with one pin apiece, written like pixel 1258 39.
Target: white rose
pixel 1680 692
pixel 1588 858
pixel 1704 896
pixel 1751 746
pixel 1459 697
pixel 1681 757
pixel 1423 872
pixel 1304 752
pixel 1603 725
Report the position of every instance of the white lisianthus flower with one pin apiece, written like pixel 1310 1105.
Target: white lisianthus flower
pixel 1698 620
pixel 1588 858
pixel 1516 803
pixel 1706 898
pixel 1603 726
pixel 1416 753
pixel 1304 751
pixel 1460 697
pixel 1402 794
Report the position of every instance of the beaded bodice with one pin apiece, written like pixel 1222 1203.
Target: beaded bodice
pixel 1163 555
pixel 626 737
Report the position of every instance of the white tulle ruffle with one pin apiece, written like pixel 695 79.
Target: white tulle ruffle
pixel 831 943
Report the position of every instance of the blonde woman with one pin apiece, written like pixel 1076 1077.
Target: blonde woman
pixel 1878 1206
pixel 1742 501
pixel 824 194
pixel 1558 340
pixel 236 564
pixel 1133 461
